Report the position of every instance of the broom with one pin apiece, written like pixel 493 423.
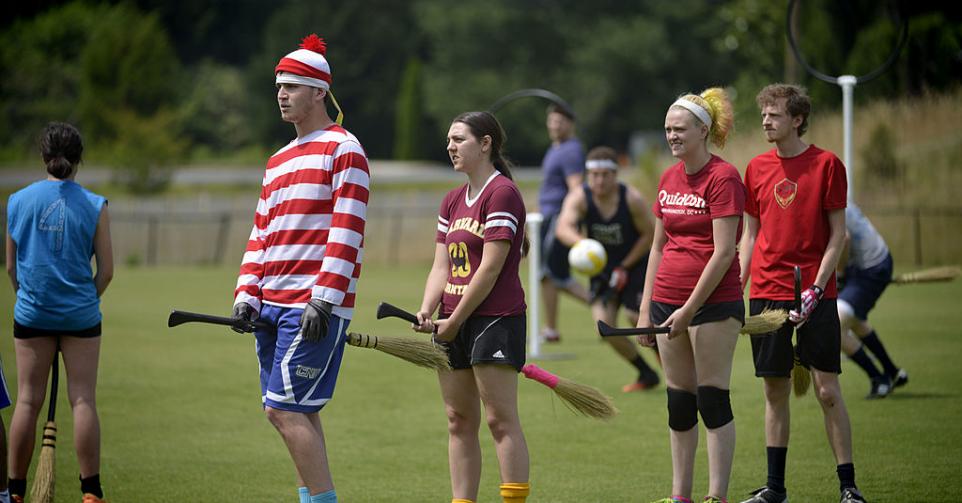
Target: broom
pixel 762 323
pixel 947 273
pixel 422 353
pixel 580 398
pixel 42 490
pixel 801 378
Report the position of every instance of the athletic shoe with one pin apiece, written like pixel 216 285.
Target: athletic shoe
pixel 646 381
pixel 674 499
pixel 766 495
pixel 712 499
pixel 900 379
pixel 851 495
pixel 90 498
pixel 550 335
pixel 881 387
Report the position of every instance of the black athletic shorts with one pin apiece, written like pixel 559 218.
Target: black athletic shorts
pixel 488 339
pixel 630 295
pixel 819 341
pixel 707 313
pixel 25 332
pixel 554 253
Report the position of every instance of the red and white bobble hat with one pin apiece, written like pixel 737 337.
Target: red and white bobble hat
pixel 306 66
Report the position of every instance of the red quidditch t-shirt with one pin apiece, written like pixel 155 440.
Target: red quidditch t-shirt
pixel 791 197
pixel 496 213
pixel 686 205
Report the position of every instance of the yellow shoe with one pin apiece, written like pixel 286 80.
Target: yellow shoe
pixel 90 498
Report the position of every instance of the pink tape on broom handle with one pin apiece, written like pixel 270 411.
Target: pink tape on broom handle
pixel 532 371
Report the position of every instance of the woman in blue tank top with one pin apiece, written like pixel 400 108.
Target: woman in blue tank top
pixel 54 228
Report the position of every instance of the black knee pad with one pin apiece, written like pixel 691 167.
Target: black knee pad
pixel 715 406
pixel 682 410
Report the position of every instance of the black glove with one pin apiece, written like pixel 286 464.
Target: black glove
pixel 314 321
pixel 243 317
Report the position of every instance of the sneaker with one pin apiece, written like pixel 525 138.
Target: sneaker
pixel 674 499
pixel 851 495
pixel 712 499
pixel 90 498
pixel 881 387
pixel 646 381
pixel 900 379
pixel 766 495
pixel 550 335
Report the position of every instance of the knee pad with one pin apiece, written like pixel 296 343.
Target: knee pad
pixel 682 410
pixel 715 406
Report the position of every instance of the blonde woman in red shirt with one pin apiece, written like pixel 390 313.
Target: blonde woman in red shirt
pixel 692 285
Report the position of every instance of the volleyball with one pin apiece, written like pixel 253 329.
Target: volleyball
pixel 587 257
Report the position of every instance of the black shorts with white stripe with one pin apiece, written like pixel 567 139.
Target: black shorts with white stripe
pixel 489 339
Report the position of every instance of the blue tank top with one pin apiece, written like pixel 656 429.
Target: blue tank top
pixel 53 225
pixel 618 233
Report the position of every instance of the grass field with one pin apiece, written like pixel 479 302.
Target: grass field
pixel 182 422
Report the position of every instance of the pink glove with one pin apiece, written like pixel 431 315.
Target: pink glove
pixel 810 298
pixel 619 278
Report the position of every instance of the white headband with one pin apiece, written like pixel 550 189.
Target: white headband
pixel 601 164
pixel 290 78
pixel 696 109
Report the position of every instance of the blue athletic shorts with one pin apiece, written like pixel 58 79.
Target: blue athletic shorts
pixel 297 375
pixel 863 287
pixel 4 394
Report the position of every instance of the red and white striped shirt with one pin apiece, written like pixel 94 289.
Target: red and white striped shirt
pixel 308 235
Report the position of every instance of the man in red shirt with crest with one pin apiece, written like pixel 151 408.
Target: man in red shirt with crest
pixel 795 215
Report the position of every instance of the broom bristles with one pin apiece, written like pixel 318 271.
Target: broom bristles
pixel 801 378
pixel 767 321
pixel 42 490
pixel 419 352
pixel 947 273
pixel 585 399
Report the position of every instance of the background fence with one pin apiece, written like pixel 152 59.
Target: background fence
pixel 401 231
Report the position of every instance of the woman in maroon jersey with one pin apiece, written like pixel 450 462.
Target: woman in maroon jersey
pixel 692 285
pixel 481 323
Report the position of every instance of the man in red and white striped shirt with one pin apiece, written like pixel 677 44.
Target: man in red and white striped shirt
pixel 302 263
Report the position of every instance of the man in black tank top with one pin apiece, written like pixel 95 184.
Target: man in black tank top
pixel 615 215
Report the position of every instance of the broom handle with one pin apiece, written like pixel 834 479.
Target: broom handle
pixel 54 384
pixel 386 310
pixel 798 289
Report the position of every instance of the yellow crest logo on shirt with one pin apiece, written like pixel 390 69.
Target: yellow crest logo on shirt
pixel 785 192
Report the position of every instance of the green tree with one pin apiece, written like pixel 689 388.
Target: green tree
pixel 408 118
pixel 39 61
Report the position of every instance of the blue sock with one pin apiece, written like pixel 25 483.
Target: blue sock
pixel 304 495
pixel 328 497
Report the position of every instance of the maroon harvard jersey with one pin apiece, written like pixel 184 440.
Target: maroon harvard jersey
pixel 464 225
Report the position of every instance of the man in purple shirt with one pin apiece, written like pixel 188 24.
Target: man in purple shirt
pixel 562 170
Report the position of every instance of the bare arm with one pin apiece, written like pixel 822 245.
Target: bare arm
pixel 843 256
pixel 492 261
pixel 574 181
pixel 433 287
pixel 12 262
pixel 103 252
pixel 642 219
pixel 747 247
pixel 654 260
pixel 572 211
pixel 836 242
